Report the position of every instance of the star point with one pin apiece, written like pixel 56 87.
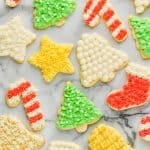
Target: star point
pixel 14 38
pixel 52 58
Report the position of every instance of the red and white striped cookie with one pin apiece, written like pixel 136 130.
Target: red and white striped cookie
pixel 96 9
pixel 24 90
pixel 144 129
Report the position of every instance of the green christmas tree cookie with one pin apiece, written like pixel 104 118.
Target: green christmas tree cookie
pixel 141 32
pixel 76 111
pixel 52 12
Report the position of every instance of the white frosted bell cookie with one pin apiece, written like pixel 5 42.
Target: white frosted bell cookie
pixel 14 38
pixel 98 60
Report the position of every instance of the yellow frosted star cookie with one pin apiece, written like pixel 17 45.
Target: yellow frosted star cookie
pixel 15 136
pixel 14 38
pixel 63 145
pixel 52 58
pixel 105 137
pixel 99 61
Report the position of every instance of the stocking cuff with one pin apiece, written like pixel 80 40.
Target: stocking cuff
pixel 138 70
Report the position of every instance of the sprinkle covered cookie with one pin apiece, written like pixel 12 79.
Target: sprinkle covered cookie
pixel 105 137
pixel 15 136
pixel 52 12
pixel 141 32
pixel 144 128
pixel 52 58
pixel 63 145
pixel 98 60
pixel 12 3
pixel 14 38
pixel 135 92
pixel 23 89
pixel 76 111
pixel 101 9
pixel 141 5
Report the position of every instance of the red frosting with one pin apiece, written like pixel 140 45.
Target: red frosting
pixel 18 90
pixel 122 34
pixel 144 132
pixel 33 107
pixel 134 93
pixel 108 14
pixel 29 97
pixel 145 120
pixel 36 118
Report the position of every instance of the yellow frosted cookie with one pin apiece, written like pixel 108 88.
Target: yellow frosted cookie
pixel 52 58
pixel 63 145
pixel 15 136
pixel 14 38
pixel 105 137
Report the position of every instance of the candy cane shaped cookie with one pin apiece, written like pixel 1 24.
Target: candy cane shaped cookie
pixel 96 9
pixel 24 90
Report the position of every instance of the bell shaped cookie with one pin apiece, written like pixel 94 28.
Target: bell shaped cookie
pixel 98 60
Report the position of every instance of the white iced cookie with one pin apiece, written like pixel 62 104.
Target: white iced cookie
pixel 141 5
pixel 15 136
pixel 14 38
pixel 98 60
pixel 63 145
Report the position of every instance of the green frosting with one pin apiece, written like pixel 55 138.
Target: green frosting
pixel 50 12
pixel 141 27
pixel 76 109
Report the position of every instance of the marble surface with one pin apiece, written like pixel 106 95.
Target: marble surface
pixel 51 94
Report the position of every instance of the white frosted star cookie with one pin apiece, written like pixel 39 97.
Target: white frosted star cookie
pixel 141 5
pixel 98 60
pixel 15 136
pixel 14 38
pixel 63 145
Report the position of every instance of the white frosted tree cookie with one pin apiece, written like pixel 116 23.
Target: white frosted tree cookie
pixel 98 60
pixel 63 145
pixel 15 136
pixel 141 5
pixel 14 38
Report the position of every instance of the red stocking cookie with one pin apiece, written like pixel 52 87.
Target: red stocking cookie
pixel 96 9
pixel 24 90
pixel 135 92
pixel 144 129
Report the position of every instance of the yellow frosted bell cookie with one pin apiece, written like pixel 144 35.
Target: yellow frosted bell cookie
pixel 141 5
pixel 23 90
pixel 12 3
pixel 52 12
pixel 63 145
pixel 140 28
pixel 76 110
pixel 98 60
pixel 52 58
pixel 15 136
pixel 105 137
pixel 14 38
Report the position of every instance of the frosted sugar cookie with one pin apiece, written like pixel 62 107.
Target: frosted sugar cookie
pixel 76 110
pixel 135 92
pixel 98 60
pixel 52 12
pixel 105 137
pixel 140 28
pixel 101 9
pixel 24 90
pixel 15 136
pixel 14 38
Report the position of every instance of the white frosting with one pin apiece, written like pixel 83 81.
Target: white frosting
pixel 117 31
pixel 138 70
pixel 14 39
pixel 141 5
pixel 99 61
pixel 14 101
pixel 63 145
